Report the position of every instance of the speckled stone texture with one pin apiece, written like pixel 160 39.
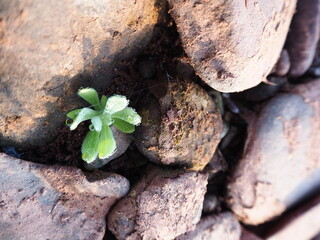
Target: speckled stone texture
pixel 52 202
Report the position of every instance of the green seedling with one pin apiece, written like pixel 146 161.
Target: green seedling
pixel 103 113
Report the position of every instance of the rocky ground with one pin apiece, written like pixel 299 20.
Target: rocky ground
pixel 229 95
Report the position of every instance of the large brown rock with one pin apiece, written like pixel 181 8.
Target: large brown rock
pixel 281 160
pixel 163 205
pixel 215 227
pixel 52 202
pixel 233 45
pixel 51 48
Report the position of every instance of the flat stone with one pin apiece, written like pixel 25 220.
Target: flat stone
pixel 232 45
pixel 214 227
pixel 281 161
pixel 54 202
pixel 50 49
pixel 163 205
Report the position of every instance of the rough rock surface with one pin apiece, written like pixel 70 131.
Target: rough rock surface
pixel 222 226
pixel 182 127
pixel 281 161
pixel 123 141
pixel 41 202
pixel 51 48
pixel 163 205
pixel 233 45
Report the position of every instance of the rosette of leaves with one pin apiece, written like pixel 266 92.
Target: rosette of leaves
pixel 99 141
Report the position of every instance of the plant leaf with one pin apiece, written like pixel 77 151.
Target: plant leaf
pixel 96 122
pixel 74 113
pixel 91 96
pixel 83 115
pixel 89 148
pixel 123 126
pixel 116 103
pixel 107 144
pixel 128 115
pixel 103 101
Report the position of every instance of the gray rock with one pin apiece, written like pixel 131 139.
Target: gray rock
pixel 49 49
pixel 283 65
pixel 123 141
pixel 303 36
pixel 210 203
pixel 281 161
pixel 264 90
pixel 232 45
pixel 222 226
pixel 52 202
pixel 163 205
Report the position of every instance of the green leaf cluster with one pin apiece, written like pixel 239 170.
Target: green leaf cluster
pixel 103 112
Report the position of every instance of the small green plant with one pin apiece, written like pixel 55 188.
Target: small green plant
pixel 99 141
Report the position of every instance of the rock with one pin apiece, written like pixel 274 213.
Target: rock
pixel 52 202
pixel 283 65
pixel 303 227
pixel 181 125
pixel 216 164
pixel 281 161
pixel 232 45
pixel 222 226
pixel 303 36
pixel 163 205
pixel 246 235
pixel 264 90
pixel 50 49
pixel 210 203
pixel 123 141
pixel 316 237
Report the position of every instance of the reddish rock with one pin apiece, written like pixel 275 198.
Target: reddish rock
pixel 51 48
pixel 232 45
pixel 163 205
pixel 181 126
pixel 222 226
pixel 52 202
pixel 281 161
